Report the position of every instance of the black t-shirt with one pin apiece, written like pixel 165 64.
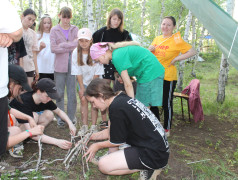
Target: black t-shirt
pixel 133 123
pixel 111 35
pixel 16 51
pixel 28 106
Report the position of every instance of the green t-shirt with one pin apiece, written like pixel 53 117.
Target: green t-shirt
pixel 138 61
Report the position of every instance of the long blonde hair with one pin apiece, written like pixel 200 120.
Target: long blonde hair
pixel 41 25
pixel 80 56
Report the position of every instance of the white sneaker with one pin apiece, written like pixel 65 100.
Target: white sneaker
pixel 17 151
pixel 74 121
pixel 94 128
pixel 83 130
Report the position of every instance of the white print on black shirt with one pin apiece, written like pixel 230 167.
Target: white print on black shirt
pixel 145 112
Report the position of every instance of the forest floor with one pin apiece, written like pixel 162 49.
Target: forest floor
pixel 205 150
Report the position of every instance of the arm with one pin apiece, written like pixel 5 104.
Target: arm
pixel 80 81
pixel 35 63
pixel 15 139
pixel 70 45
pixel 186 55
pixel 101 135
pixel 96 146
pixel 16 36
pixel 23 116
pixel 127 83
pixel 64 117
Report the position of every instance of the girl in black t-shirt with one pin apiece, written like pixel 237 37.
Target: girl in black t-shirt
pixel 131 123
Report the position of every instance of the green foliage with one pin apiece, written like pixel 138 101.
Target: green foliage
pixel 203 171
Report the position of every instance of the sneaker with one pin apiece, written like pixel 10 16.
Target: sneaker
pixel 104 124
pixel 83 130
pixel 94 128
pixel 17 151
pixel 74 121
pixel 6 168
pixel 167 132
pixel 54 119
pixel 143 175
pixel 61 125
pixel 149 174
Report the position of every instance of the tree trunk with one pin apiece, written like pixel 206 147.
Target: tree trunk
pixel 21 6
pixel 224 66
pixel 91 24
pixel 194 59
pixel 59 2
pixel 46 6
pixel 124 9
pixel 30 4
pixel 161 15
pixel 40 9
pixel 142 18
pixel 98 14
pixel 182 63
pixel 180 16
pixel 221 81
pixel 84 13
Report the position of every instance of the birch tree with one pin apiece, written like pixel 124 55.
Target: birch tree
pixel 124 8
pixel 194 59
pixel 46 6
pixel 30 4
pixel 91 24
pixel 179 18
pixel 182 63
pixel 224 66
pixel 40 9
pixel 98 14
pixel 161 15
pixel 142 18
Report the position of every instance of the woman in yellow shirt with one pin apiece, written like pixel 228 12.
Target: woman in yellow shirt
pixel 169 48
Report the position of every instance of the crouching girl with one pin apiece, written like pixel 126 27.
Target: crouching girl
pixel 132 123
pixel 40 99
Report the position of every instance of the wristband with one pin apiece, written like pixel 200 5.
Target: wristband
pixel 29 132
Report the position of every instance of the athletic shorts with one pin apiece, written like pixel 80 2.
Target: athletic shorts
pixel 30 73
pixel 133 159
pixel 151 93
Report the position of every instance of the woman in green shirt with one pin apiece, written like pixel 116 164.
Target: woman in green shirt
pixel 130 59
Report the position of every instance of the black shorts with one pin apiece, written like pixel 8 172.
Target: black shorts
pixel 45 75
pixel 109 70
pixel 3 124
pixel 133 159
pixel 30 73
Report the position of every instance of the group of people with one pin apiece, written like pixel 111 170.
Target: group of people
pixel 65 56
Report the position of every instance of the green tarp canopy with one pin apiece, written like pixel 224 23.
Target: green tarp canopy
pixel 220 25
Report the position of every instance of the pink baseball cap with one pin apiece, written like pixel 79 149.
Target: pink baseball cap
pixel 85 33
pixel 98 49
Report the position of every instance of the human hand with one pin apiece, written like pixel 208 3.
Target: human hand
pixel 92 150
pixel 63 144
pixel 172 62
pixel 151 48
pixel 81 93
pixel 32 122
pixel 42 45
pixel 37 74
pixel 72 129
pixel 5 40
pixel 37 130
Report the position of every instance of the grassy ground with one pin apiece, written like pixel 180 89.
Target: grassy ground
pixel 205 150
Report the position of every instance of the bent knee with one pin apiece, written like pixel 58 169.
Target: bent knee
pixel 103 166
pixel 49 115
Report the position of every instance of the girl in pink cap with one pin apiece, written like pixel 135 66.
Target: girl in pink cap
pixel 85 70
pixel 130 59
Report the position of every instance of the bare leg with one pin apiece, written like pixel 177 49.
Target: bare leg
pixel 30 80
pixel 114 164
pixel 94 114
pixel 45 118
pixel 84 110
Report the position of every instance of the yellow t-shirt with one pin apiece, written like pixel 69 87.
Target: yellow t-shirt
pixel 166 50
